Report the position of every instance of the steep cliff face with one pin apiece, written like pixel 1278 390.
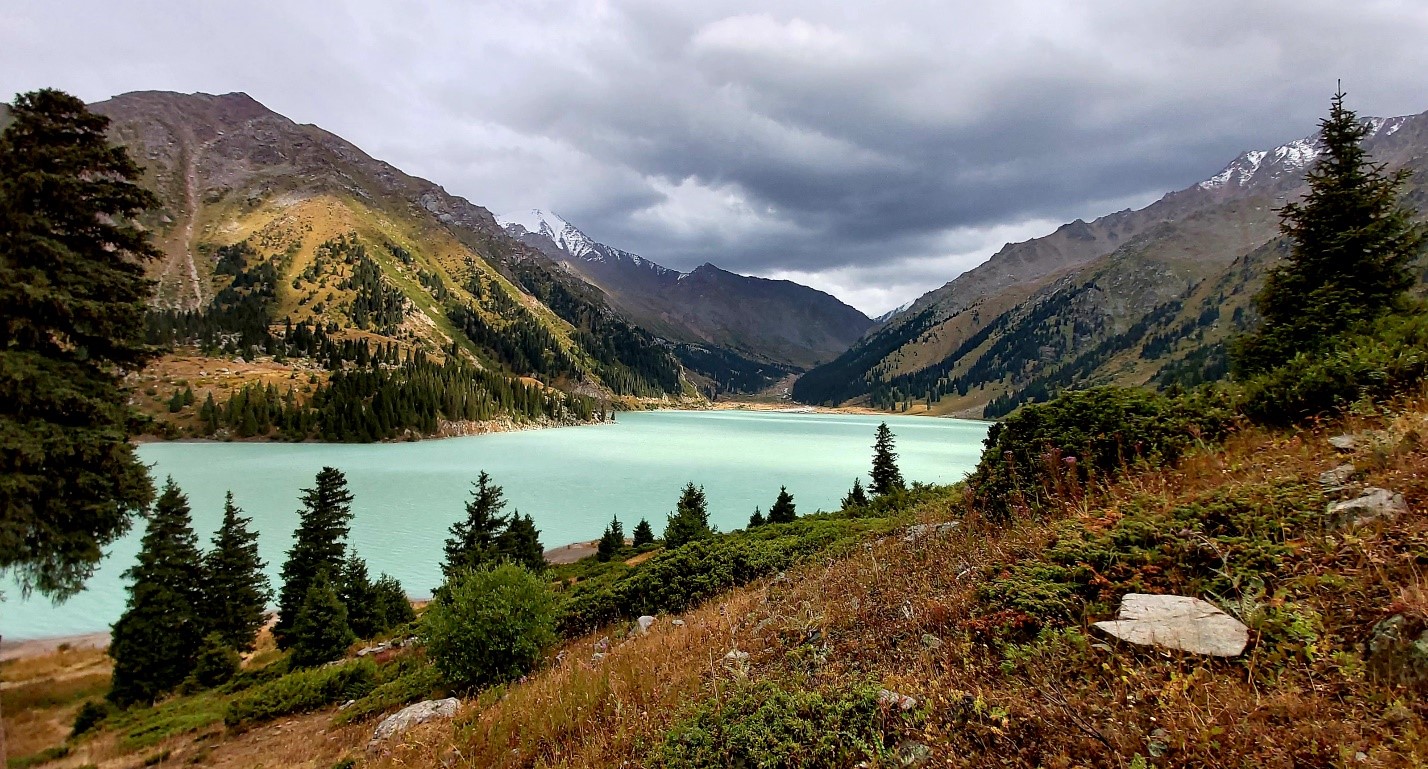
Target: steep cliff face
pixel 1132 297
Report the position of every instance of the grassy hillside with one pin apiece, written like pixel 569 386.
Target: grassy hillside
pixel 985 624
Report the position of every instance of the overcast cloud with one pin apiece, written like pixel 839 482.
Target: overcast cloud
pixel 873 150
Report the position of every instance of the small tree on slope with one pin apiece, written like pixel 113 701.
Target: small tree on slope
pixel 690 519
pixel 157 638
pixel 886 476
pixel 474 541
pixel 520 543
pixel 320 545
pixel 643 534
pixel 783 510
pixel 236 592
pixel 1352 241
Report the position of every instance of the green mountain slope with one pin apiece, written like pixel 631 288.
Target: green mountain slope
pixel 1134 297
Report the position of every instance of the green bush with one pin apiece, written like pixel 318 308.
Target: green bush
pixel 1054 449
pixel 1389 360
pixel 412 686
pixel 766 726
pixel 302 691
pixel 489 625
pixel 1223 544
pixel 45 756
pixel 216 664
pixel 90 715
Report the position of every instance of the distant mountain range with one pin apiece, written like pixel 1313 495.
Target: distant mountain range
pixel 1134 297
pixel 778 325
pixel 337 238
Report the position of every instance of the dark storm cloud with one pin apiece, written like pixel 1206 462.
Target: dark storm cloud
pixel 874 150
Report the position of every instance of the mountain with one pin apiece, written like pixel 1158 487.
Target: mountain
pixel 269 224
pixel 1133 297
pixel 720 321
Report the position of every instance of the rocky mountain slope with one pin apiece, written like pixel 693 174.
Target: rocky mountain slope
pixel 264 218
pixel 716 317
pixel 1145 296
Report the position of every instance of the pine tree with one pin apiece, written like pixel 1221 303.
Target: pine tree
pixel 612 541
pixel 320 545
pixel 643 534
pixel 156 639
pixel 320 632
pixel 757 519
pixel 72 315
pixel 886 477
pixel 473 542
pixel 690 519
pixel 236 592
pixel 359 595
pixel 520 543
pixel 856 497
pixel 1352 240
pixel 783 510
pixel 393 607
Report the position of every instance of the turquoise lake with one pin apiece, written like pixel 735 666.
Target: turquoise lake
pixel 570 480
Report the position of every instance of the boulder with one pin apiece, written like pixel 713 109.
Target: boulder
pixel 1177 622
pixel 402 720
pixel 1345 443
pixel 645 623
pixel 1334 480
pixel 1373 504
pixel 1398 650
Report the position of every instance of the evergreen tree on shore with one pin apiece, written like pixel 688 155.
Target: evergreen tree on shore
pixel 783 510
pixel 643 534
pixel 690 519
pixel 886 475
pixel 236 592
pixel 856 496
pixel 320 632
pixel 612 541
pixel 474 542
pixel 757 519
pixel 320 545
pixel 359 596
pixel 73 298
pixel 520 543
pixel 393 608
pixel 155 642
pixel 1352 240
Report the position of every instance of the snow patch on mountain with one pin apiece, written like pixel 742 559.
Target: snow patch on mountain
pixel 570 239
pixel 896 311
pixel 1285 159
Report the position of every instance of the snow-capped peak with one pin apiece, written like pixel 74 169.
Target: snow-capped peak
pixel 1290 158
pixel 569 238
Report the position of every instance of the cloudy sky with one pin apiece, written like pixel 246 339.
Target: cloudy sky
pixel 873 150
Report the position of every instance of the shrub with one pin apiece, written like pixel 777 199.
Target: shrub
pixel 766 726
pixel 320 632
pixel 1389 360
pixel 489 625
pixel 1224 544
pixel 216 663
pixel 1054 449
pixel 412 686
pixel 302 691
pixel 90 715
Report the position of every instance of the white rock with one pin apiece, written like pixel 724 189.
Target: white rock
pixel 890 698
pixel 411 715
pixel 1177 622
pixel 1372 505
pixel 1344 443
pixel 922 530
pixel 1332 480
pixel 677 622
pixel 645 623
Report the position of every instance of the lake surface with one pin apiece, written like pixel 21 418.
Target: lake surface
pixel 570 480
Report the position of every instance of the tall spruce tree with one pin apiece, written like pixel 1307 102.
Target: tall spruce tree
pixel 156 640
pixel 612 541
pixel 474 541
pixel 1352 240
pixel 886 475
pixel 320 545
pixel 690 519
pixel 320 632
pixel 643 534
pixel 520 543
pixel 72 307
pixel 236 592
pixel 783 510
